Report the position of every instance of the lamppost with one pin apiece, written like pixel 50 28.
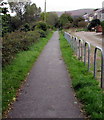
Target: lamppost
pixel 45 12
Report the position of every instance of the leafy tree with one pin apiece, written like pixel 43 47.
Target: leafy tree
pixel 26 27
pixel 2 3
pixel 6 19
pixel 77 21
pixel 52 19
pixel 42 26
pixel 31 12
pixel 42 16
pixel 82 24
pixel 94 23
pixel 26 13
pixel 6 24
pixel 5 10
pixel 18 8
pixel 65 19
pixel 15 23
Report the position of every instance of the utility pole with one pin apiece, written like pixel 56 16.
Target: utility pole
pixel 45 11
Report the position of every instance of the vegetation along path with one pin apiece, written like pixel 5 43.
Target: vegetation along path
pixel 47 92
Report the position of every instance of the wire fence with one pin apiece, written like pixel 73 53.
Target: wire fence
pixel 83 52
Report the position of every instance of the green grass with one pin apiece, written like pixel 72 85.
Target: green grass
pixel 86 87
pixel 15 73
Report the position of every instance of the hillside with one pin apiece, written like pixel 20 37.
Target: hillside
pixel 79 12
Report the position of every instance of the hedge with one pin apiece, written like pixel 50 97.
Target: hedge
pixel 15 42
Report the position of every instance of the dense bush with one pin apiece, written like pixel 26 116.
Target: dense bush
pixel 102 24
pixel 25 28
pixel 77 20
pixel 6 24
pixel 41 32
pixel 82 24
pixel 93 24
pixel 41 25
pixel 64 20
pixel 15 42
pixel 67 25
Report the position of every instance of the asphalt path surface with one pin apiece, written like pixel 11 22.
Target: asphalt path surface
pixel 48 91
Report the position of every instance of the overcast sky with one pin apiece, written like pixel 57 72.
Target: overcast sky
pixel 65 5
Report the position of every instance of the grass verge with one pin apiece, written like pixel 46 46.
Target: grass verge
pixel 86 87
pixel 15 73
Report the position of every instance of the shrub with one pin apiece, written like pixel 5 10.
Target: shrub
pixel 93 24
pixel 33 27
pixel 6 25
pixel 65 19
pixel 102 24
pixel 67 25
pixel 82 24
pixel 25 28
pixel 15 42
pixel 41 32
pixel 77 20
pixel 42 26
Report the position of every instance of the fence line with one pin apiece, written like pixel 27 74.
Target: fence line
pixel 89 49
pixel 79 46
pixel 102 64
pixel 80 49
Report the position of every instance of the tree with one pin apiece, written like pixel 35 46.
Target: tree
pixel 6 19
pixel 6 24
pixel 31 12
pixel 77 21
pixel 52 19
pixel 65 19
pixel 26 12
pixel 5 10
pixel 82 24
pixel 18 8
pixel 41 25
pixel 94 23
pixel 15 23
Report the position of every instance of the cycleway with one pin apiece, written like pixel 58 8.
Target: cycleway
pixel 47 92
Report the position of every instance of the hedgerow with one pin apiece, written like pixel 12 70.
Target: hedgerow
pixel 16 42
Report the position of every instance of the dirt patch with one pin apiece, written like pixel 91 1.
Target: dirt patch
pixel 94 38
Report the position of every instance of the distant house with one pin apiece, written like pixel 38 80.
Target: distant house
pixel 85 16
pixel 96 14
pixel 91 17
pixel 88 17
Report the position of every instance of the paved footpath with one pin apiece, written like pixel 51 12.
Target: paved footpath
pixel 47 92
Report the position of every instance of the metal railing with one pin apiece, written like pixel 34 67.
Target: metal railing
pixel 80 49
pixel 79 46
pixel 89 48
pixel 102 64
